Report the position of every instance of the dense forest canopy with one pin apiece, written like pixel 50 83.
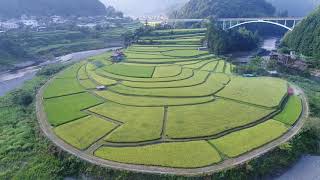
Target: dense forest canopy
pixel 222 42
pixel 224 9
pixel 305 38
pixel 16 8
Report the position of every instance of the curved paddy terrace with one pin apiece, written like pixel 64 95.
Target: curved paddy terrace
pixel 167 108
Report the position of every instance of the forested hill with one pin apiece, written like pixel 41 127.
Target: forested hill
pixel 224 9
pixel 305 38
pixel 16 8
pixel 295 7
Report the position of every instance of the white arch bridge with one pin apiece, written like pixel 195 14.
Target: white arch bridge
pixel 228 23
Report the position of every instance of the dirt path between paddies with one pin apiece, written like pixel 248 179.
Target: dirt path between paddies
pixel 229 163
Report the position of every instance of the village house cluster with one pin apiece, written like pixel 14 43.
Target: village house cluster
pixel 289 60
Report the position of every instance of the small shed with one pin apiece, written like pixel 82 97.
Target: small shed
pixel 101 88
pixel 117 56
pixel 273 73
pixel 290 91
pixel 249 75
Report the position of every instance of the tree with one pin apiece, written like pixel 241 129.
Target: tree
pixel 225 9
pixel 221 42
pixel 22 98
pixel 305 37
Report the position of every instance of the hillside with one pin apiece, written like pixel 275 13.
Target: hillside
pixel 225 9
pixel 295 7
pixel 305 38
pixel 16 8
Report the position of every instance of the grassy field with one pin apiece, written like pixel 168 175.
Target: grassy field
pixel 214 83
pixel 199 77
pixel 177 32
pixel 228 68
pixel 262 91
pixel 146 55
pixel 68 108
pixel 184 53
pixel 136 126
pixel 210 66
pixel 82 73
pixel 169 60
pixel 167 71
pixel 198 65
pixel 185 74
pixel 70 72
pixel 220 67
pixel 100 79
pixel 182 155
pixel 60 87
pixel 210 118
pixel 173 36
pixel 163 91
pixel 88 84
pixel 150 101
pixel 130 71
pixel 85 131
pixel 245 140
pixel 291 112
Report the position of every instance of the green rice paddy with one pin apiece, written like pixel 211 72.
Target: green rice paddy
pixel 167 104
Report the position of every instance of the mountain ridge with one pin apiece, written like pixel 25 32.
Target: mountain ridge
pixel 16 8
pixel 224 9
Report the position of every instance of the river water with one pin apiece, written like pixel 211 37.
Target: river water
pixel 269 44
pixel 12 80
pixel 307 168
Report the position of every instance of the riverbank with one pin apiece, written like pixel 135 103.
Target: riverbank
pixel 13 79
pixel 267 45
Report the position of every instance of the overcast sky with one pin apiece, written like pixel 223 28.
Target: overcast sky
pixel 144 7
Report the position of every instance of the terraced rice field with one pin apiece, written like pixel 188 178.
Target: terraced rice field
pixel 167 104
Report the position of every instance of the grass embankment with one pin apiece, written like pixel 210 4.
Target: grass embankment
pixel 199 77
pixel 185 74
pixel 264 91
pixel 166 71
pixel 139 123
pixel 85 131
pixel 210 118
pixel 214 83
pixel 246 140
pixel 130 71
pixel 64 109
pixel 291 112
pixel 182 155
pixel 150 101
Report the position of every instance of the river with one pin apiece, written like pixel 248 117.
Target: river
pixel 307 168
pixel 15 79
pixel 268 44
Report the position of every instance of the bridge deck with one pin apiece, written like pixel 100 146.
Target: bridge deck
pixel 241 19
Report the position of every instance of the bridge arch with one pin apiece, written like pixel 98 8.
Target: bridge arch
pixel 260 21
